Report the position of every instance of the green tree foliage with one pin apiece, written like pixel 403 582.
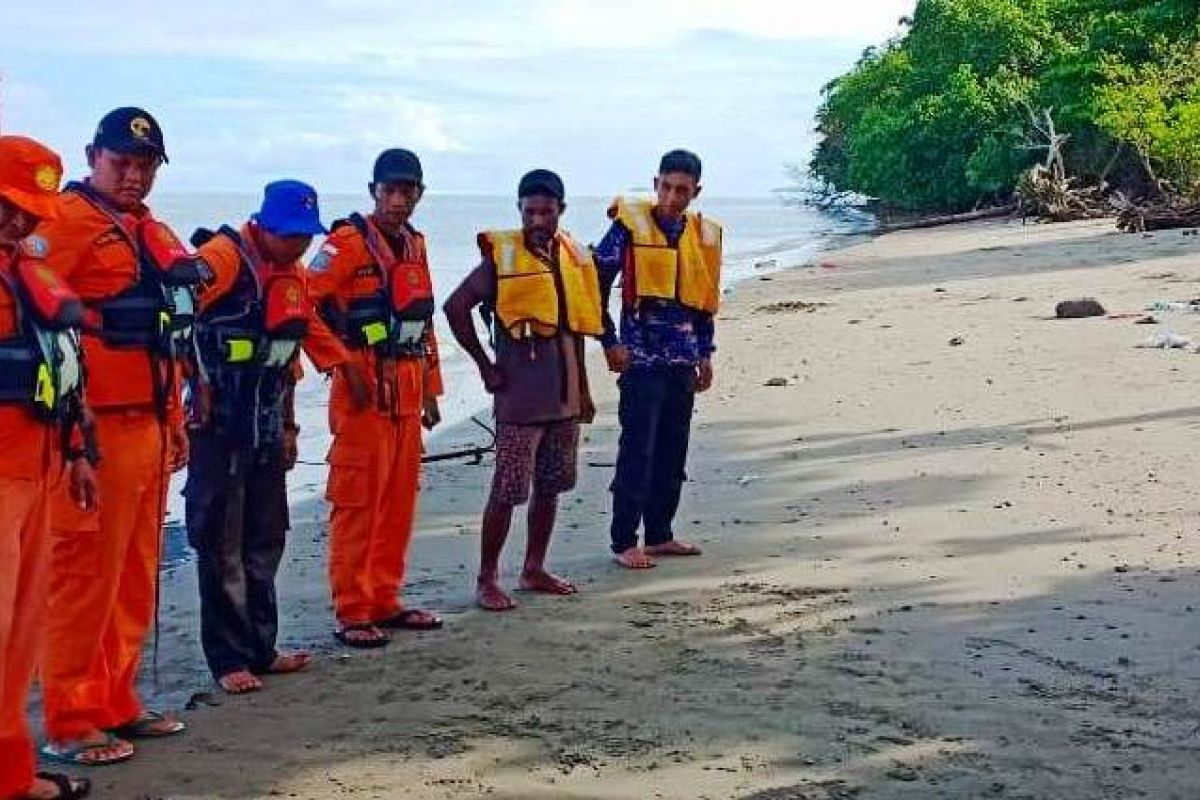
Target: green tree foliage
pixel 939 118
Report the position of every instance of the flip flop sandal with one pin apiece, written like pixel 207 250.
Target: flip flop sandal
pixel 77 754
pixel 412 619
pixel 361 644
pixel 68 788
pixel 150 726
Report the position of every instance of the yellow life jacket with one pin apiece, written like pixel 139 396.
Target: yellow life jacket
pixel 689 273
pixel 530 292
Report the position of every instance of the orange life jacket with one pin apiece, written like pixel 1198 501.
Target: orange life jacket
pixel 40 361
pixel 394 313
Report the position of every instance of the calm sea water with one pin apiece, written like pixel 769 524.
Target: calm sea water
pixel 762 234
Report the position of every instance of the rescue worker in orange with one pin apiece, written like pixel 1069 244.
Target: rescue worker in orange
pixel 136 281
pixel 254 317
pixel 542 290
pixel 40 409
pixel 371 282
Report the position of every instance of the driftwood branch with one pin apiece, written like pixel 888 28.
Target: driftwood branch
pixel 950 219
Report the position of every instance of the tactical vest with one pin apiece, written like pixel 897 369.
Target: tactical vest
pixel 393 320
pixel 246 344
pixel 40 364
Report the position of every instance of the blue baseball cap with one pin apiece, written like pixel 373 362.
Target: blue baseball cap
pixel 289 208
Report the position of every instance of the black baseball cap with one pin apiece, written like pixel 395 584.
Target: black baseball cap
pixel 397 165
pixel 130 130
pixel 543 183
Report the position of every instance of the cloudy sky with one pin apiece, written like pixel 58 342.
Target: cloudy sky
pixel 250 90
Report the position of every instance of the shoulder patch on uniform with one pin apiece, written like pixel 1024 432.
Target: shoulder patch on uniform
pixel 320 262
pixel 35 246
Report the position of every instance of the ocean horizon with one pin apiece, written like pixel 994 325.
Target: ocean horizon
pixel 763 234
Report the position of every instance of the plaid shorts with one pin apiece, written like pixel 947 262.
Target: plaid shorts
pixel 542 454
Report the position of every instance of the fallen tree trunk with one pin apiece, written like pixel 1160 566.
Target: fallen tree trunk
pixel 1135 218
pixel 950 219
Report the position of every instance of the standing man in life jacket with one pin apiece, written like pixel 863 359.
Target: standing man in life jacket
pixel 371 282
pixel 670 262
pixel 136 281
pixel 40 410
pixel 542 290
pixel 254 318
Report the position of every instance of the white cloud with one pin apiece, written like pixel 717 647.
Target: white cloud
pixel 481 88
pixel 339 31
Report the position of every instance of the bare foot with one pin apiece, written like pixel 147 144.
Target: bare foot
pixel 634 558
pixel 287 663
pixel 241 681
pixel 673 549
pixel 542 581
pixel 490 597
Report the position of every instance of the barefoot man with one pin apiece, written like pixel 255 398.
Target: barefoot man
pixel 541 289
pixel 670 262
pixel 254 318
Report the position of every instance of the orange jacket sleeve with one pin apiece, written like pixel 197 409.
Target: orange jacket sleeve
pixel 321 346
pixel 332 268
pixel 223 258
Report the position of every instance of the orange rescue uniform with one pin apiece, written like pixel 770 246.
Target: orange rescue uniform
pixel 104 562
pixel 30 458
pixel 375 459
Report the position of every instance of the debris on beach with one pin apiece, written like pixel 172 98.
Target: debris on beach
pixel 957 341
pixel 776 382
pixel 1167 340
pixel 1079 309
pixel 1176 306
pixel 790 307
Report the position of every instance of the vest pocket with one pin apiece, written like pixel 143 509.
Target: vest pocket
pixel 656 271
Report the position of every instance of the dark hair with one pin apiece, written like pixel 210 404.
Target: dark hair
pixel 683 161
pixel 541 183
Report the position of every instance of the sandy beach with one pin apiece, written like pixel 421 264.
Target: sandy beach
pixel 950 552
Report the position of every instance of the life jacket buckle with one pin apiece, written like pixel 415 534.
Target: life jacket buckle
pixel 239 351
pixel 374 333
pixel 43 393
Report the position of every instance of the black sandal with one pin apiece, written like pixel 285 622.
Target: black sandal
pixel 68 788
pixel 361 644
pixel 412 619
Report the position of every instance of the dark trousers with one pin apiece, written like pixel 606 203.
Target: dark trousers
pixel 656 422
pixel 237 520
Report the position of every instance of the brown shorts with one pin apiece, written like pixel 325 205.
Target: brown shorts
pixel 542 454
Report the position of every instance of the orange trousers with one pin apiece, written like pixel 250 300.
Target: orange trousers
pixel 103 580
pixel 24 537
pixel 374 472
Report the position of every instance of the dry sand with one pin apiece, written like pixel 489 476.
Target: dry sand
pixel 931 570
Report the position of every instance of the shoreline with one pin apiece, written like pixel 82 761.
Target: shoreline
pixel 963 568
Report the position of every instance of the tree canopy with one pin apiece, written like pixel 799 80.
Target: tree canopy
pixel 944 117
